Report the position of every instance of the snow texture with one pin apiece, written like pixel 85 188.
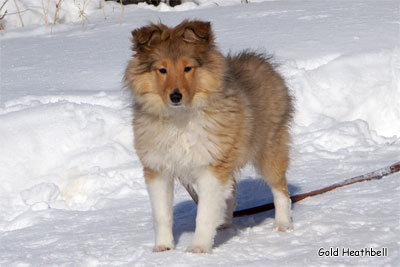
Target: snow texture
pixel 72 190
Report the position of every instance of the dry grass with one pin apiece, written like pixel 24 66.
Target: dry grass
pixel 82 6
pixel 122 12
pixel 2 16
pixel 46 12
pixel 19 13
pixel 58 6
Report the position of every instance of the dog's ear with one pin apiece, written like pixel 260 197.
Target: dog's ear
pixel 199 32
pixel 146 38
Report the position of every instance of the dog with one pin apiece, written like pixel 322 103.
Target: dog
pixel 200 117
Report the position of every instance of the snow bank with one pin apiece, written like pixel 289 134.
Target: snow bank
pixel 33 11
pixel 61 151
pixel 346 88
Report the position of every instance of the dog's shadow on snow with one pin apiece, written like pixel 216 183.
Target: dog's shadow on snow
pixel 250 193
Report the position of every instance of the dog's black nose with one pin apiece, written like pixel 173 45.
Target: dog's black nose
pixel 175 96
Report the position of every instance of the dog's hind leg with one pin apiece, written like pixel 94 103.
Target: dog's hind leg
pixel 272 164
pixel 230 207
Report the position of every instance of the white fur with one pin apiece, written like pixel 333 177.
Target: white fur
pixel 161 191
pixel 211 210
pixel 179 148
pixel 282 211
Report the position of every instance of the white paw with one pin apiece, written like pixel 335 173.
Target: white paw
pixel 162 248
pixel 198 249
pixel 283 226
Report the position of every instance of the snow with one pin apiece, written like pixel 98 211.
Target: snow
pixel 72 191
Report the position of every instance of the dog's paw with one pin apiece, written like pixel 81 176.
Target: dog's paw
pixel 198 250
pixel 162 248
pixel 283 227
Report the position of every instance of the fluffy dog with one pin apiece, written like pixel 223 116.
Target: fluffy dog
pixel 200 117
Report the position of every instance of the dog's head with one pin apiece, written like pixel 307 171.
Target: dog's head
pixel 176 67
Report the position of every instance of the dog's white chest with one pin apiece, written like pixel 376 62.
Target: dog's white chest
pixel 178 149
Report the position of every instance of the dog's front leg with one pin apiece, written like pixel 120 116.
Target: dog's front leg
pixel 213 194
pixel 161 189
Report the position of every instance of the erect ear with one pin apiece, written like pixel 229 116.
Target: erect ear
pixel 197 32
pixel 147 37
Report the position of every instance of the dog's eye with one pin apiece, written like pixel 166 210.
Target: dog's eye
pixel 187 69
pixel 163 70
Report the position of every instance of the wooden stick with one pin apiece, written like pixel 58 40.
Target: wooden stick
pixel 378 174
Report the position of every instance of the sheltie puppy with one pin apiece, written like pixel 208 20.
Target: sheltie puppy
pixel 200 117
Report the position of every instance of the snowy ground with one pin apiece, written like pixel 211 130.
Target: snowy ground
pixel 72 191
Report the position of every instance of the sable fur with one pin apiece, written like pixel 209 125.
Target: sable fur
pixel 234 110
